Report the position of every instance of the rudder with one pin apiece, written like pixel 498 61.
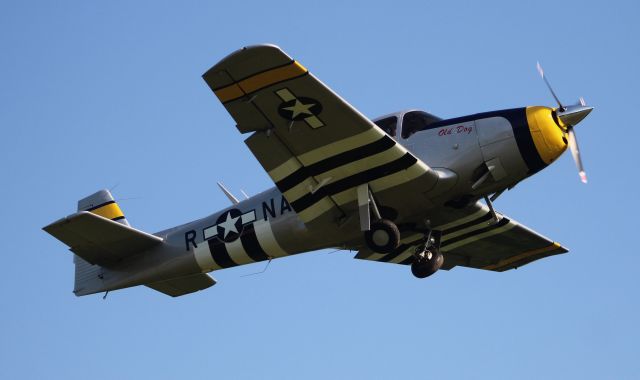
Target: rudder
pixel 87 278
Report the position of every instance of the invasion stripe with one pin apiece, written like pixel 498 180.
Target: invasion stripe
pixel 318 154
pixel 462 226
pixel 352 142
pixel 334 162
pixel 396 252
pixel 236 251
pixel 203 257
pixel 357 179
pixel 251 244
pixel 375 256
pixel 219 254
pixel 337 174
pixel 286 168
pixel 492 229
pixel 403 257
pixel 398 255
pixel 416 170
pixel 268 240
pixel 495 231
pixel 502 222
pixel 462 220
pixel 313 212
pixel 363 164
pixel 380 184
pixel 303 188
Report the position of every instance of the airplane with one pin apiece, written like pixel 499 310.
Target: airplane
pixel 406 188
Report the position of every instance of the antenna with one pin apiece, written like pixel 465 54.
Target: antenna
pixel 262 271
pixel 226 192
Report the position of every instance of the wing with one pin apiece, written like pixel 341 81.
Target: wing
pixel 99 240
pixel 314 145
pixel 473 239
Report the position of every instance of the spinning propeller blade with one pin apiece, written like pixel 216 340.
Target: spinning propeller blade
pixel 575 152
pixel 570 116
pixel 548 85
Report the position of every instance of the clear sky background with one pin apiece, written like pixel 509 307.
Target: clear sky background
pixel 101 94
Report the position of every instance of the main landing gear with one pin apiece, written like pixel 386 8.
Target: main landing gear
pixel 383 236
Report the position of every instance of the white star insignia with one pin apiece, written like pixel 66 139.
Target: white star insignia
pixel 229 225
pixel 300 108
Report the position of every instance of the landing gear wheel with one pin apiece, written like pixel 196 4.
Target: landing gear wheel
pixel 426 263
pixel 383 237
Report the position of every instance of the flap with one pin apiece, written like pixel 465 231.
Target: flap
pixel 184 285
pixel 99 240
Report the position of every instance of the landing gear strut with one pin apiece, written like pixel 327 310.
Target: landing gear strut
pixel 427 256
pixel 381 235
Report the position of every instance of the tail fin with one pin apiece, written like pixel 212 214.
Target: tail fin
pixel 88 277
pixel 102 203
pixel 102 242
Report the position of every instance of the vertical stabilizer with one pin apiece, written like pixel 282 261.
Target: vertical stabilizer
pixel 88 277
pixel 102 203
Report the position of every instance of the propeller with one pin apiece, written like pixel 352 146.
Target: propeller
pixel 570 117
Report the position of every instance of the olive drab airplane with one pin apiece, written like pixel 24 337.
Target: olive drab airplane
pixel 407 188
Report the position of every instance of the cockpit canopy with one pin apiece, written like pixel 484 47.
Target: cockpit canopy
pixel 410 123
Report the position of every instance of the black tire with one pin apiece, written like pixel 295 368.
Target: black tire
pixel 383 237
pixel 425 267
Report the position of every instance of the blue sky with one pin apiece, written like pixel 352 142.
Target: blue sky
pixel 108 94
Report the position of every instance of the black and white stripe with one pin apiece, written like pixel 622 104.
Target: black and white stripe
pixel 455 234
pixel 334 162
pixel 256 243
pixel 372 156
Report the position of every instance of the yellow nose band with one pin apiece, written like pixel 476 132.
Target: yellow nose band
pixel 547 136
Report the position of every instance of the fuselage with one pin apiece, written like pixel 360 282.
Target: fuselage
pixel 473 155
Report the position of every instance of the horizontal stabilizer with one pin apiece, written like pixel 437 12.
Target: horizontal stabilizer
pixel 184 285
pixel 99 240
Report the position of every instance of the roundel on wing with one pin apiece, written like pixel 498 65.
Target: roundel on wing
pixel 230 225
pixel 299 108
